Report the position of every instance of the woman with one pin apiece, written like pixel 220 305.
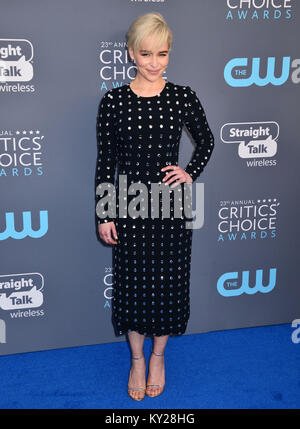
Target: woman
pixel 139 127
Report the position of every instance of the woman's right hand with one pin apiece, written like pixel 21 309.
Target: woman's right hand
pixel 108 230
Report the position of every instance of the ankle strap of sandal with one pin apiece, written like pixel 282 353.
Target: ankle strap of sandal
pixel 157 354
pixel 136 358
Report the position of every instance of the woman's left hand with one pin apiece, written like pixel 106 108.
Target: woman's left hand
pixel 177 174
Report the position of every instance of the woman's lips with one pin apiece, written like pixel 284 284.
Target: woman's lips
pixel 153 71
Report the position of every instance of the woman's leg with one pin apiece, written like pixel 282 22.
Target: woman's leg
pixel 157 366
pixel 137 376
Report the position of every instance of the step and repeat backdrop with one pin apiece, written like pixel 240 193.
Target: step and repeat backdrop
pixel 57 60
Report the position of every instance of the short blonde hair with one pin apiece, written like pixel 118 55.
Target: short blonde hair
pixel 152 23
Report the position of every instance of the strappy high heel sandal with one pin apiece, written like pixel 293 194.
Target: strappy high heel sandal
pixel 141 389
pixel 156 385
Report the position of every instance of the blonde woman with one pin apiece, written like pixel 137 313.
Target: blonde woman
pixel 139 127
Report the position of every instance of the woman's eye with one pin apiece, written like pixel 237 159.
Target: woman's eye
pixel 162 55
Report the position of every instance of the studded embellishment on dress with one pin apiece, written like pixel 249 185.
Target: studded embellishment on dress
pixel 137 136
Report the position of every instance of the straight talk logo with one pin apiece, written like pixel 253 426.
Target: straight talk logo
pixel 160 192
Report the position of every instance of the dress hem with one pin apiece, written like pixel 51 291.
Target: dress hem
pixel 140 331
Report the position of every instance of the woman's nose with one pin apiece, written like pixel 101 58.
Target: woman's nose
pixel 154 62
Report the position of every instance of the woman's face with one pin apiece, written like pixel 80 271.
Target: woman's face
pixel 150 63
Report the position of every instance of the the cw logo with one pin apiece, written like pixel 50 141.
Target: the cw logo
pixel 233 288
pixel 27 227
pixel 238 77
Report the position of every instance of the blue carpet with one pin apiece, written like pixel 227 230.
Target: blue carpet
pixel 251 368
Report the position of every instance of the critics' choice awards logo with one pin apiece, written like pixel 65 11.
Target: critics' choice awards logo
pixel 236 283
pixel 22 291
pixel 108 281
pixel 21 153
pixel 256 141
pixel 258 10
pixel 9 229
pixel 16 57
pixel 247 220
pixel 114 60
pixel 244 72
pixel 115 67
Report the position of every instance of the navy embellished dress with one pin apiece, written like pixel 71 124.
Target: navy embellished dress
pixel 137 136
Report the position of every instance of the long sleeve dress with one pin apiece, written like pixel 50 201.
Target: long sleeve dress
pixel 152 260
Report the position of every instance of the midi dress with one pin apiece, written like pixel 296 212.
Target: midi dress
pixel 137 136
